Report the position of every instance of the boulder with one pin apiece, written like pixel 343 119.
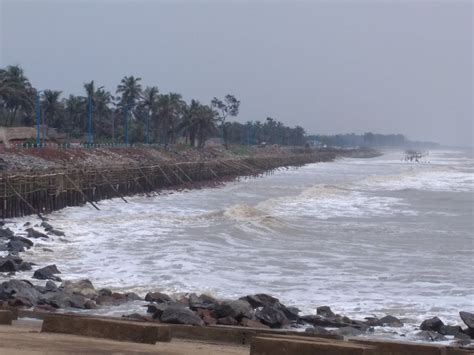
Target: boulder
pixel 272 317
pixel 8 265
pixel 390 321
pixel 234 309
pixel 317 330
pixel 27 243
pixel 22 290
pixel 81 287
pixel 57 232
pixel 47 273
pixel 253 323
pixel 33 233
pixel 347 331
pixel 157 297
pixel 429 335
pixel 227 321
pixel 6 233
pixel 324 322
pixel 180 315
pixel 65 300
pixel 372 321
pixel 203 302
pixel 47 227
pixel 158 308
pixel 433 324
pixel 90 304
pixel 467 318
pixel 450 330
pixel 207 316
pixel 13 263
pixel 325 311
pixel 260 300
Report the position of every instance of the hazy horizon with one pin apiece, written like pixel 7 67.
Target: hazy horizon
pixel 330 67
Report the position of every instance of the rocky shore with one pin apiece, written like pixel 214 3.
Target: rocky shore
pixel 53 294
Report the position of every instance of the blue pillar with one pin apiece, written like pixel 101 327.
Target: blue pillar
pixel 38 119
pixel 90 139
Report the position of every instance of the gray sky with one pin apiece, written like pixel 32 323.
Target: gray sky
pixel 331 67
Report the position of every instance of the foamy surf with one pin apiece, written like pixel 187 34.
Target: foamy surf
pixel 366 237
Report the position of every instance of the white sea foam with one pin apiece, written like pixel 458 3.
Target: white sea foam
pixel 366 237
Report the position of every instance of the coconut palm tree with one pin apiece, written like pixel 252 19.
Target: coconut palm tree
pixel 170 109
pixel 149 103
pixel 51 108
pixel 130 91
pixel 75 115
pixel 16 92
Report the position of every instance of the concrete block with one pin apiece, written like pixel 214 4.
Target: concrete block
pixel 402 348
pixel 110 329
pixel 6 317
pixel 298 345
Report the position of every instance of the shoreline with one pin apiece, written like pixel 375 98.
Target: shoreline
pixel 65 178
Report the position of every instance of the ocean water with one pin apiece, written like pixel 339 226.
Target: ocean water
pixel 364 236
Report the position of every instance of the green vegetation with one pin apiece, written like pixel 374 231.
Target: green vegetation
pixel 134 114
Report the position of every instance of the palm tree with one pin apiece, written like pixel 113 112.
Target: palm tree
pixel 149 103
pixel 130 91
pixel 170 110
pixel 51 107
pixel 16 92
pixel 75 117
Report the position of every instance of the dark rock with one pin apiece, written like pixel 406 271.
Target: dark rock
pixel 317 330
pixel 81 287
pixel 347 331
pixel 234 309
pixel 28 243
pixel 468 319
pixel 325 311
pixel 324 322
pixel 180 315
pixel 203 301
pixel 253 323
pixel 32 233
pixel 433 324
pixel 47 227
pixel 372 321
pixel 51 286
pixel 227 321
pixel 22 290
pixel 64 300
pixel 449 329
pixel 292 313
pixel 429 335
pixel 461 335
pixel 90 304
pixel 6 233
pixel 48 250
pixel 390 321
pixel 105 292
pixel 15 247
pixel 260 300
pixel 47 273
pixel 25 266
pixel 57 232
pixel 44 308
pixel 272 317
pixel 8 265
pixel 157 297
pixel 158 308
pixel 207 316
pixel 469 332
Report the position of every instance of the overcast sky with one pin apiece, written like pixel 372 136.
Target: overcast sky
pixel 331 67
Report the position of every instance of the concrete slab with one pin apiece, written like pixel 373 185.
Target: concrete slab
pixel 109 329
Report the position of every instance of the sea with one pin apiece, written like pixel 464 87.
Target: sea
pixel 367 237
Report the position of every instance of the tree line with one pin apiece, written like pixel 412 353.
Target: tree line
pixel 133 114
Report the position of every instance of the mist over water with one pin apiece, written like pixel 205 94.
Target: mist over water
pixel 364 236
